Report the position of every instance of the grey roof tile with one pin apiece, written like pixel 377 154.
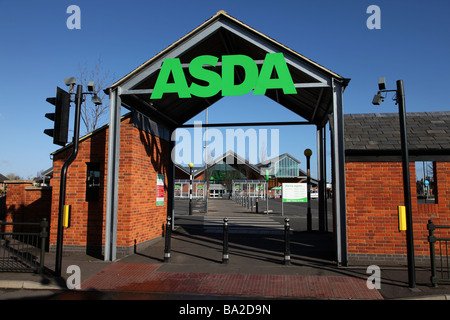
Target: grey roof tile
pixel 372 131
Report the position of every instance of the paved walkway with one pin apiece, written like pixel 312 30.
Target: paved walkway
pixel 145 277
pixel 255 270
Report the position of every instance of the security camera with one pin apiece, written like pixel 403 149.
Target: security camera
pixel 96 100
pixel 91 86
pixel 377 99
pixel 70 82
pixel 382 84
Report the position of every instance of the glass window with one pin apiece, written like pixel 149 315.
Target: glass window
pixel 92 181
pixel 286 167
pixel 426 182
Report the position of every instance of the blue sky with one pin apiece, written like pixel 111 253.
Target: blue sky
pixel 38 51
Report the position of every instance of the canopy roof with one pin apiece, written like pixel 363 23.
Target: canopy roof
pixel 225 35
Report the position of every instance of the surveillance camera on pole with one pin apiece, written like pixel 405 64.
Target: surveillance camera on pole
pixel 400 100
pixel 91 86
pixel 70 82
pixel 96 100
pixel 377 99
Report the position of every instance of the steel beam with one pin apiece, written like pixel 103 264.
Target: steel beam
pixel 248 124
pixel 112 186
pixel 322 178
pixel 171 182
pixel 269 47
pixel 339 174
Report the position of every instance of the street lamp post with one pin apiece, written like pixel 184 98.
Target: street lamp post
pixel 308 154
pixel 190 188
pixel 400 99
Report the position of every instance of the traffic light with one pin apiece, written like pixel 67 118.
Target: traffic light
pixel 60 117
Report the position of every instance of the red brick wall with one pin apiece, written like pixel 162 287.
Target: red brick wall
pixel 87 218
pixel 142 156
pixel 26 203
pixel 373 192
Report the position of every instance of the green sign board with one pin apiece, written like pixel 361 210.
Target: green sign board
pixel 172 78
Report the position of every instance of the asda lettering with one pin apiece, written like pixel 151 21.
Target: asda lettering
pixel 211 83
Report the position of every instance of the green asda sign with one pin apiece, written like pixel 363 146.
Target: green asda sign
pixel 171 78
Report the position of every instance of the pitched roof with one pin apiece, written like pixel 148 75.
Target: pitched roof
pixel 276 159
pixel 372 133
pixel 218 15
pixel 3 178
pixel 230 157
pixel 224 35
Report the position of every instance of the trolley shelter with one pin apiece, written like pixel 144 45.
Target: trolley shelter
pixel 221 57
pixel 181 189
pixel 249 188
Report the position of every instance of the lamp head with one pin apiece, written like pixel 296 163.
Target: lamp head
pixel 308 152
pixel 191 164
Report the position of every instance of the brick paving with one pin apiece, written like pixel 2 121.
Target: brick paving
pixel 255 269
pixel 145 277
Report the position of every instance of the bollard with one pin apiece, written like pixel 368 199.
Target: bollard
pixel 432 240
pixel 43 235
pixel 225 256
pixel 167 243
pixel 256 205
pixel 287 244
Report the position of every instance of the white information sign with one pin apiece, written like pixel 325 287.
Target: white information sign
pixel 294 192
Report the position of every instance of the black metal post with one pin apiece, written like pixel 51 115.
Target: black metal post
pixel 190 190
pixel 287 242
pixel 322 179
pixel 62 184
pixel 406 184
pixel 308 186
pixel 43 235
pixel 225 256
pixel 167 240
pixel 432 240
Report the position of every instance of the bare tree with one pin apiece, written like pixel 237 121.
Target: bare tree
pixel 94 116
pixel 13 176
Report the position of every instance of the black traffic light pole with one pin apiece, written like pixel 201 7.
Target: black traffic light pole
pixel 62 185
